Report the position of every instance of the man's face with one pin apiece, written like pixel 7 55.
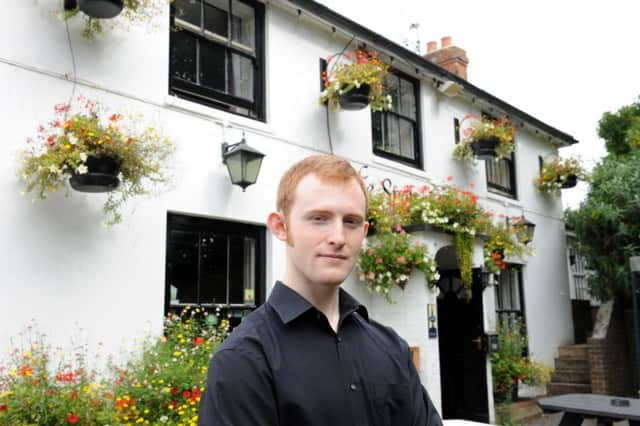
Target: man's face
pixel 325 228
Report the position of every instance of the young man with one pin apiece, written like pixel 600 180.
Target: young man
pixel 311 356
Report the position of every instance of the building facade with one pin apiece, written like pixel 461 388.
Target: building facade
pixel 217 71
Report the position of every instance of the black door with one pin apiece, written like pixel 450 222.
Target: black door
pixel 463 375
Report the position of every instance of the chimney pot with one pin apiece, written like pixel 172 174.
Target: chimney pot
pixel 452 58
pixel 432 46
pixel 445 41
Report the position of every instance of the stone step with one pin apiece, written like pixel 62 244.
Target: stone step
pixel 574 352
pixel 565 388
pixel 571 376
pixel 571 364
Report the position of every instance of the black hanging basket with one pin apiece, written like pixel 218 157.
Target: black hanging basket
pixel 485 149
pixel 101 177
pixel 101 9
pixel 355 99
pixel 570 182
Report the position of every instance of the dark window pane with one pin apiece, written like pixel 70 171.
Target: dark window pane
pixel 407 100
pixel 376 122
pixel 183 55
pixel 243 25
pixel 213 268
pixel 189 11
pixel 182 267
pixel 241 79
pixel 241 270
pixel 212 65
pixel 216 17
pixel 407 139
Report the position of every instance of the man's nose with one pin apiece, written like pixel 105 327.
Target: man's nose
pixel 336 234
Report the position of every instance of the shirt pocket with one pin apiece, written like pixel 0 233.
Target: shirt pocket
pixel 393 404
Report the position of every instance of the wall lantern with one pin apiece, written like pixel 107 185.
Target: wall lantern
pixel 243 162
pixel 526 229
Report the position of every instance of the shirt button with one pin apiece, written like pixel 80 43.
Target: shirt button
pixel 353 387
pixel 339 339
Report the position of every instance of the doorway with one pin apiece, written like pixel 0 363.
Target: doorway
pixel 463 370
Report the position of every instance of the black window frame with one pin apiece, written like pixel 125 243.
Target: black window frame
pixel 209 96
pixel 510 315
pixel 197 224
pixel 492 167
pixel 417 161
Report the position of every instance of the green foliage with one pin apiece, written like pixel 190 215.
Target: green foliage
pixel 160 382
pixel 621 129
pixel 607 225
pixel 388 259
pixel 556 172
pixel 61 147
pixel 511 365
pixel 485 128
pixel 343 77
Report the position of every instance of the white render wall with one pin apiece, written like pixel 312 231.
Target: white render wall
pixel 61 267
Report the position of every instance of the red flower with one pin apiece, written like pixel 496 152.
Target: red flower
pixel 186 394
pixel 3 407
pixel 72 418
pixel 449 177
pixel 51 140
pixel 379 260
pixel 198 340
pixel 195 392
pixel 175 390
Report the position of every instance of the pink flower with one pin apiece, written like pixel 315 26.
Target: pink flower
pixel 401 260
pixel 379 260
pixel 371 252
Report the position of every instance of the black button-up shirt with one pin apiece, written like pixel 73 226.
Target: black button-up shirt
pixel 285 366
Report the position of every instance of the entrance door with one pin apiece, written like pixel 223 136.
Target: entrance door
pixel 463 377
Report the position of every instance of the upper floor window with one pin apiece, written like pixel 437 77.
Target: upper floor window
pixel 396 133
pixel 501 176
pixel 217 54
pixel 214 263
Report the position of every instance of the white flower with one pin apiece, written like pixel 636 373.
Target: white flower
pixel 455 224
pixel 433 268
pixel 54 169
pixel 377 289
pixel 83 157
pixel 82 169
pixel 436 276
pixel 356 83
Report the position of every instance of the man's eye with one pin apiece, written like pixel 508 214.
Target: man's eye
pixel 353 223
pixel 318 218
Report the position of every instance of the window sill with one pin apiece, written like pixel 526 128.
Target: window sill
pixel 502 199
pixel 222 117
pixel 398 166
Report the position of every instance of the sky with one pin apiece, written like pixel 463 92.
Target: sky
pixel 564 62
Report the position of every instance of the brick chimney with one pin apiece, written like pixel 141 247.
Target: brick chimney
pixel 452 58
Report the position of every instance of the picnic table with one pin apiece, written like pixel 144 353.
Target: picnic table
pixel 606 408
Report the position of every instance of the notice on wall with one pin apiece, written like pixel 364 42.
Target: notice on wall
pixel 432 320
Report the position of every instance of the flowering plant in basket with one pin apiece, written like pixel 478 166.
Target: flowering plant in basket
pixel 484 128
pixel 65 147
pixel 346 74
pixel 556 172
pixel 388 259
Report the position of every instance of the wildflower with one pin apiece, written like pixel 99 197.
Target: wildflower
pixel 73 418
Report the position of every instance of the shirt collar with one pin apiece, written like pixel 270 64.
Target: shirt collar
pixel 290 305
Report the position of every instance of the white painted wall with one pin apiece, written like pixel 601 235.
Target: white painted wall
pixel 63 269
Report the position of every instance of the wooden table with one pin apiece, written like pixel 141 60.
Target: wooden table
pixel 578 406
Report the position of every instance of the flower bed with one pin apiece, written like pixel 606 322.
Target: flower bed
pixel 160 383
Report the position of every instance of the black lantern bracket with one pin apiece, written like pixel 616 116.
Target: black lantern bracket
pixel 243 162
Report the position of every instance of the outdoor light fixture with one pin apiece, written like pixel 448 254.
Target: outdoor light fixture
pixel 529 230
pixel 449 88
pixel 243 162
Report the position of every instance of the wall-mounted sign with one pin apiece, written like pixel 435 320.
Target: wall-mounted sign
pixel 432 320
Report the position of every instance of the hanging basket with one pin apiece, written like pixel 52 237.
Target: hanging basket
pixel 485 149
pixel 102 175
pixel 570 182
pixel 355 99
pixel 101 9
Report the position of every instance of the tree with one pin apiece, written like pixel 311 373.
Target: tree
pixel 607 224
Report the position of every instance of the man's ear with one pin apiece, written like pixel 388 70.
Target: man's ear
pixel 366 228
pixel 277 225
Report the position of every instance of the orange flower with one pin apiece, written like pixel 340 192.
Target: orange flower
pixel 25 370
pixel 198 340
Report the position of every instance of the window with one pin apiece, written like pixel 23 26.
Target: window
pixel 509 300
pixel 501 174
pixel 396 133
pixel 216 49
pixel 214 263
